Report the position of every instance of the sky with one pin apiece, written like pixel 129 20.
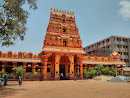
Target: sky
pixel 95 19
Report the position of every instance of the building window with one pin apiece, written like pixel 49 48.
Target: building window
pixel 119 46
pixel 124 40
pixel 48 69
pixel 107 40
pixel 64 43
pixel 118 39
pixel 28 69
pixel 126 53
pixel 126 47
pixel 63 30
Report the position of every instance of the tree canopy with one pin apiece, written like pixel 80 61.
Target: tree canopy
pixel 13 19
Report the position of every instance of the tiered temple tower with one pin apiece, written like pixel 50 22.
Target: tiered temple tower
pixel 63 43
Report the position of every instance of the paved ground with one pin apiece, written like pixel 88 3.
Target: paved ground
pixel 66 89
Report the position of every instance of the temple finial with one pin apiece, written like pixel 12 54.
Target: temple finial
pixel 54 9
pixel 51 8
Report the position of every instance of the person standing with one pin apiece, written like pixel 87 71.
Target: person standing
pixel 75 77
pixel 20 80
pixel 5 80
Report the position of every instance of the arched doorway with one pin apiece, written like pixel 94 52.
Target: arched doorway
pixel 63 67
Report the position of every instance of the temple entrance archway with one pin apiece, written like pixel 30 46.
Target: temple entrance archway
pixel 63 67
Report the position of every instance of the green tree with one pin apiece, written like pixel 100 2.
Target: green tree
pixel 112 71
pixel 105 70
pixel 91 73
pixel 99 68
pixel 19 71
pixel 13 19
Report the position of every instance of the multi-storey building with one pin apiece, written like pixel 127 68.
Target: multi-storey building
pixel 105 47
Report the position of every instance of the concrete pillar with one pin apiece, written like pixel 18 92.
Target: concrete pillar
pixel 116 69
pixel 78 70
pixel 42 68
pixel 57 58
pixel 14 66
pixel 52 67
pixel 24 67
pixel 34 67
pixel 122 73
pixel 71 74
pixel 3 66
pixel 85 67
pixel 45 65
pixel 81 70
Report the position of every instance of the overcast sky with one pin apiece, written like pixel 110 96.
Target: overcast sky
pixel 96 20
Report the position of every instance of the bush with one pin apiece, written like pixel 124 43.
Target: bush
pixel 99 70
pixel 105 70
pixel 11 76
pixel 91 73
pixel 112 72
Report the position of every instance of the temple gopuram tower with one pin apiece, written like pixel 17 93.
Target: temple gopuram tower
pixel 62 49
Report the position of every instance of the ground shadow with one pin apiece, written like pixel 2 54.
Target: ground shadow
pixel 9 91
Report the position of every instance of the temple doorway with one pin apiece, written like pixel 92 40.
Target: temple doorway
pixel 63 68
pixel 62 72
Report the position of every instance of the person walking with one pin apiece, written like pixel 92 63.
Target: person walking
pixel 20 80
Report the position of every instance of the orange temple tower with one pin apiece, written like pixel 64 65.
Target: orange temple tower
pixel 62 44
